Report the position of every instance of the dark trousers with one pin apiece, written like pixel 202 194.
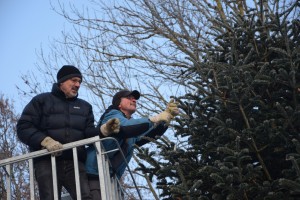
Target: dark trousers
pixel 65 177
pixel 94 184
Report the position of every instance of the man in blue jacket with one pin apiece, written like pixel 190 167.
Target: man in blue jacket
pixel 131 131
pixel 55 118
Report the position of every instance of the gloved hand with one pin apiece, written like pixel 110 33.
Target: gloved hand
pixel 167 115
pixel 112 126
pixel 52 145
pixel 172 108
pixel 162 117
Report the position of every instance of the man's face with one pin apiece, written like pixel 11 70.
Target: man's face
pixel 128 105
pixel 71 86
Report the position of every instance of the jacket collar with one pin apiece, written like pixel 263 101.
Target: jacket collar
pixel 56 91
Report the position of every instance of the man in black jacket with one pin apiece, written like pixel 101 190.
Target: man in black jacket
pixel 55 118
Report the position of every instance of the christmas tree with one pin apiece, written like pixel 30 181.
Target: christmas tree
pixel 241 125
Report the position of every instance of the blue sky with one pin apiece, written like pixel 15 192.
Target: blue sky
pixel 26 26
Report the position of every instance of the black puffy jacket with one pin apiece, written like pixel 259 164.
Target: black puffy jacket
pixel 64 120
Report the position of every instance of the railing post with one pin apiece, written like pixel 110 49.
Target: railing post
pixel 107 178
pixel 110 186
pixel 8 181
pixel 54 176
pixel 31 181
pixel 76 169
pixel 101 170
pixel 113 188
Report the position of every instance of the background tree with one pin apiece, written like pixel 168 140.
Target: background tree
pixel 9 147
pixel 242 123
pixel 233 65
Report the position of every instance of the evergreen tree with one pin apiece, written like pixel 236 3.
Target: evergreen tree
pixel 241 128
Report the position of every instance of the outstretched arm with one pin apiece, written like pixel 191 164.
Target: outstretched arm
pixel 156 132
pixel 129 127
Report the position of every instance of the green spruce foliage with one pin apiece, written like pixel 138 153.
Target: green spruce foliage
pixel 241 126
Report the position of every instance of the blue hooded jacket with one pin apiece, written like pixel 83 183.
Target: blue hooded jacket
pixel 131 131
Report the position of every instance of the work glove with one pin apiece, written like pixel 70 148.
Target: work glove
pixel 167 115
pixel 162 117
pixel 112 126
pixel 52 145
pixel 172 108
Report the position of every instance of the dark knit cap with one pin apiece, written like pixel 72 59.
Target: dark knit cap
pixel 124 93
pixel 67 72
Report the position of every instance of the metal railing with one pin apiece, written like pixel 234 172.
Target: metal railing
pixel 110 186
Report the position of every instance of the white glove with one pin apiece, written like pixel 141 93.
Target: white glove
pixel 167 115
pixel 162 117
pixel 52 145
pixel 172 108
pixel 112 126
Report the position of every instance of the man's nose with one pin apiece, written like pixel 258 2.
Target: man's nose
pixel 77 83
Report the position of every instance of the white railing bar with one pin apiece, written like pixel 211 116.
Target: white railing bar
pixel 119 147
pixel 76 168
pixel 113 188
pixel 43 152
pixel 106 152
pixel 31 179
pixel 107 180
pixel 6 162
pixel 8 181
pixel 54 176
pixel 101 170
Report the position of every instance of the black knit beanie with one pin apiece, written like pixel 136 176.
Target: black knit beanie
pixel 67 72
